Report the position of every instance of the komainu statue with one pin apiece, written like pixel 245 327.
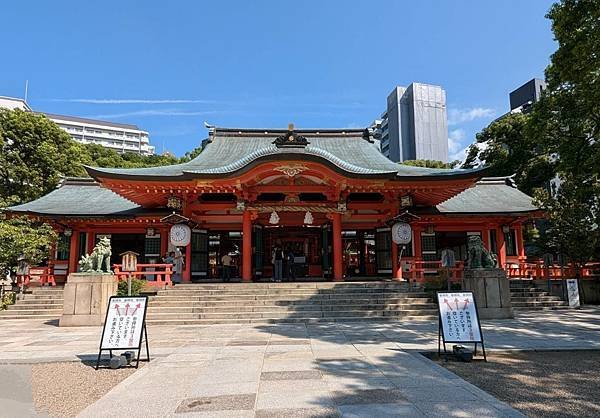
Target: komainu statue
pixel 479 256
pixel 99 260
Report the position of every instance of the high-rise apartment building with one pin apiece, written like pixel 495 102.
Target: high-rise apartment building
pixel 415 124
pixel 120 137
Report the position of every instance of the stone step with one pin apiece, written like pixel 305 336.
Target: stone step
pixel 290 296
pixel 283 315
pixel 28 312
pixel 42 301
pixel 540 303
pixel 177 322
pixel 162 302
pixel 292 308
pixel 533 298
pixel 314 285
pixel 29 296
pixel 38 306
pixel 6 315
pixel 540 308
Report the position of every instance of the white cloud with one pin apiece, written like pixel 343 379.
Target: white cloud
pixel 134 101
pixel 151 112
pixel 455 138
pixel 456 116
pixel 459 155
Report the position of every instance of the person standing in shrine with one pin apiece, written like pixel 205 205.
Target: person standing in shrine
pixel 277 259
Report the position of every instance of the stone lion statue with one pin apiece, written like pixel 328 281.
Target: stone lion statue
pixel 479 256
pixel 99 260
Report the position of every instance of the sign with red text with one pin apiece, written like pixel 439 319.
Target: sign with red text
pixel 458 317
pixel 124 323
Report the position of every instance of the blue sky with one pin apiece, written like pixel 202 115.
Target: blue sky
pixel 170 66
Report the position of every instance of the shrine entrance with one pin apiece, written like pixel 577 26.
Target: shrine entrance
pixel 308 245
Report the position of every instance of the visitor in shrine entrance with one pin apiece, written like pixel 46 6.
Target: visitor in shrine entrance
pixel 290 265
pixel 226 263
pixel 277 260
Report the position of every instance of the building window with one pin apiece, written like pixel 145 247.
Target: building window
pixel 63 247
pixel 510 242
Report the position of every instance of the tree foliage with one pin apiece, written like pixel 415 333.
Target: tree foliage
pixel 566 125
pixel 558 137
pixel 506 148
pixel 23 237
pixel 430 163
pixel 34 154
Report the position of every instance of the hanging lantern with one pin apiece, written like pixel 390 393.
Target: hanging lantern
pixel 274 219
pixel 308 218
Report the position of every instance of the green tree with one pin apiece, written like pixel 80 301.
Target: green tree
pixel 190 155
pixel 34 154
pixel 429 163
pixel 565 125
pixel 506 148
pixel 23 237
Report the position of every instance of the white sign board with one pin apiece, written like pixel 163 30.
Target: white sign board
pixel 124 323
pixel 458 316
pixel 573 293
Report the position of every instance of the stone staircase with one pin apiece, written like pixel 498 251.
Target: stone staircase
pixel 244 303
pixel 41 303
pixel 525 296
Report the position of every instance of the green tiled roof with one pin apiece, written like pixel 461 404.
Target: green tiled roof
pixel 492 195
pixel 229 150
pixel 85 197
pixel 79 197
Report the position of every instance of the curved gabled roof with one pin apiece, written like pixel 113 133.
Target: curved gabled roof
pixel 231 150
pixel 79 197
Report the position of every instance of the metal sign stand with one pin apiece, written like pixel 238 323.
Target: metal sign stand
pixel 138 348
pixel 442 338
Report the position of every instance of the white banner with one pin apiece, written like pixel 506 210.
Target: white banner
pixel 460 323
pixel 124 323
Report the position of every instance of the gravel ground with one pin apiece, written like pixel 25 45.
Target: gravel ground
pixel 539 383
pixel 65 389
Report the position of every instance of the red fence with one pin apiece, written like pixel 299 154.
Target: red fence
pixel 155 274
pixel 419 271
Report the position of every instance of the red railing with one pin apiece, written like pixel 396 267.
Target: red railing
pixel 161 273
pixel 419 271
pixel 537 270
pixel 41 275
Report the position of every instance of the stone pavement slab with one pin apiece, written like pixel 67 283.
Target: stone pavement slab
pixel 329 369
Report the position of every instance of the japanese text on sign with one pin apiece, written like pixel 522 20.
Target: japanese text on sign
pixel 124 323
pixel 459 317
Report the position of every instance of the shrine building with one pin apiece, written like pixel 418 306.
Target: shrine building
pixel 327 195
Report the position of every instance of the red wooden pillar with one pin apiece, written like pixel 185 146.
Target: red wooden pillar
pixel 501 247
pixel 485 237
pixel 395 266
pixel 73 252
pixel 187 268
pixel 520 245
pixel 337 247
pixel 246 246
pixel 417 253
pixel 91 241
pixel 164 241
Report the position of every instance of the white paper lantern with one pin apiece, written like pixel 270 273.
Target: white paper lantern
pixel 274 219
pixel 308 218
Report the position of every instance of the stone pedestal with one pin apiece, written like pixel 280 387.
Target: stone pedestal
pixel 86 298
pixel 491 290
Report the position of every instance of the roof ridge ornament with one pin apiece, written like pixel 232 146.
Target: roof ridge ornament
pixel 291 139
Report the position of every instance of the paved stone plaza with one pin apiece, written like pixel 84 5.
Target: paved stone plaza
pixel 354 369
